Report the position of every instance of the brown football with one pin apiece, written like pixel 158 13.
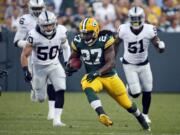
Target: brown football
pixel 75 63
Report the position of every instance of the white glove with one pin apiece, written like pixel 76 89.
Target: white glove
pixel 161 45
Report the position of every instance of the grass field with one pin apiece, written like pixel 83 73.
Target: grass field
pixel 18 116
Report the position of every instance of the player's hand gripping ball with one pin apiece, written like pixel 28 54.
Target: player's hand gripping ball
pixel 72 66
pixel 75 63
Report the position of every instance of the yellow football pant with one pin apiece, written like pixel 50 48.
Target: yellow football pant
pixel 113 85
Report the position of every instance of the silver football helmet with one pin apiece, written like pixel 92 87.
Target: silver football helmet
pixel 36 7
pixel 47 22
pixel 136 17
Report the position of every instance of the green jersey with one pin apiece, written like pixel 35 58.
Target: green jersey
pixel 93 55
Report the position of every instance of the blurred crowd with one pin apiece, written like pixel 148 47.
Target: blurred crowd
pixel 165 14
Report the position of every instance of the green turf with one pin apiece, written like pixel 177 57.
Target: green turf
pixel 18 116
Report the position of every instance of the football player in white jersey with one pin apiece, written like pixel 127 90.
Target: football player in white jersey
pixel 44 43
pixel 28 22
pixel 137 36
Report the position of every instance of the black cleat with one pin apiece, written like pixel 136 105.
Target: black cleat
pixel 143 122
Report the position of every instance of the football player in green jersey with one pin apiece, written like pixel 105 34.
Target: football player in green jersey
pixel 98 55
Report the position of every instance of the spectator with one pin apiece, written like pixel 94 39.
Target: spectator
pixel 15 18
pixel 9 11
pixel 81 14
pixel 106 15
pixel 67 19
pixel 163 23
pixel 153 8
pixel 2 10
pixel 57 4
pixel 175 27
pixel 122 7
pixel 170 9
pixel 66 4
pixel 24 6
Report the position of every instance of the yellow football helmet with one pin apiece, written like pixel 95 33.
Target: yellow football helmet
pixel 89 30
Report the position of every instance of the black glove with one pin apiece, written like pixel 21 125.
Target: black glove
pixel 92 75
pixel 69 70
pixel 161 50
pixel 27 74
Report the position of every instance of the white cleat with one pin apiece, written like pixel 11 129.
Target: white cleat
pixel 33 96
pixel 58 124
pixel 148 120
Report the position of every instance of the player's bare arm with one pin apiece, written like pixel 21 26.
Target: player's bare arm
pixel 109 60
pixel 117 43
pixel 24 62
pixel 25 54
pixel 160 46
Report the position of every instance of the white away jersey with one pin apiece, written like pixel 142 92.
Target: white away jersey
pixel 26 23
pixel 46 51
pixel 136 46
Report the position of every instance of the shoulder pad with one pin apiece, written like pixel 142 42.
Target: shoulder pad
pixel 62 28
pixel 77 39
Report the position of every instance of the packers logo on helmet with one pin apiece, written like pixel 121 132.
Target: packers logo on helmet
pixel 89 30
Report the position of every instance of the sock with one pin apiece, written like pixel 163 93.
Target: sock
pixel 51 106
pixel 134 110
pixel 146 101
pixel 97 106
pixel 51 99
pixel 91 96
pixel 94 101
pixel 59 100
pixel 57 114
pixel 51 92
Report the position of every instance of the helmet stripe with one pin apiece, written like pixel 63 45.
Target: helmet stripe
pixel 46 16
pixel 84 23
pixel 135 9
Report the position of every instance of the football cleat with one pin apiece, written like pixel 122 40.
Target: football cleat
pixel 58 124
pixel 146 117
pixel 33 96
pixel 143 123
pixel 104 119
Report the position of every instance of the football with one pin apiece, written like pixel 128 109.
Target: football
pixel 75 63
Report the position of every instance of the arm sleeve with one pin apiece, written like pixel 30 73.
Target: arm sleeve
pixel 153 31
pixel 120 32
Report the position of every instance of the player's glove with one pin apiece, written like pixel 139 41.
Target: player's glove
pixel 69 70
pixel 92 75
pixel 161 47
pixel 27 74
